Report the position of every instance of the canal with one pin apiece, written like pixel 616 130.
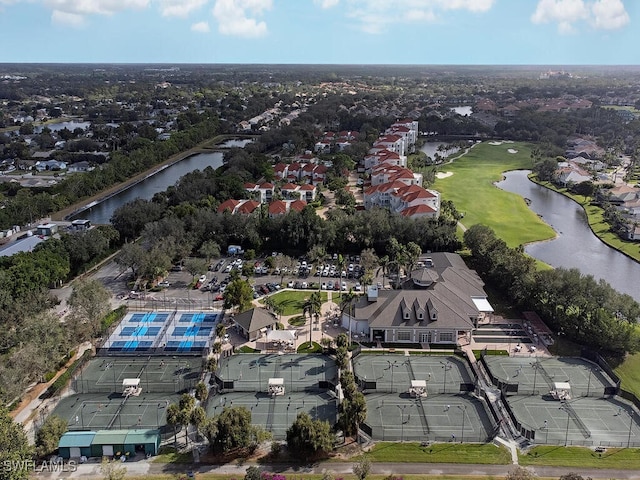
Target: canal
pixel 575 246
pixel 101 213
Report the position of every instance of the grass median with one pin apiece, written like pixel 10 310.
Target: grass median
pixel 414 452
pixel 582 457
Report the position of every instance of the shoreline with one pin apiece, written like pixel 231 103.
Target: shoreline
pixel 533 179
pixel 82 205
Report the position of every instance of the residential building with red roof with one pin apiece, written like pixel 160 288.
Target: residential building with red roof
pixel 248 207
pixel 372 159
pixel 297 205
pixel 278 207
pixel 393 143
pixel 281 170
pixel 229 205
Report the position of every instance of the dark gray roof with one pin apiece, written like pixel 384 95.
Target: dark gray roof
pixel 254 319
pixel 450 296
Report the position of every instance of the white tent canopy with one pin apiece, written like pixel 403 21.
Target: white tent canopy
pixel 281 335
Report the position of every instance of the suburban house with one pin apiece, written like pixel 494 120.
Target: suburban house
pixel 441 303
pixel 571 173
pixel 49 165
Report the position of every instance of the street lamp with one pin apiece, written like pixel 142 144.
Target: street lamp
pixel 630 425
pixel 446 367
pixel 545 427
pixel 566 433
pixel 535 367
pixel 464 412
pixel 391 366
pixel 402 422
pixel 589 380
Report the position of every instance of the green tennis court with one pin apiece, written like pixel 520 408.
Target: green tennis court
pixel 437 418
pixel 540 374
pixel 156 374
pixel 99 411
pixel 251 372
pixel 277 413
pixel 582 421
pixel 394 373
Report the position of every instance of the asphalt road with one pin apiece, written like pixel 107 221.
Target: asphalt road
pixel 92 470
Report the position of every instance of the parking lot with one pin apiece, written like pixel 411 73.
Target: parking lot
pixel 179 285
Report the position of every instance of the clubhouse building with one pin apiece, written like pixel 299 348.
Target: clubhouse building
pixel 442 302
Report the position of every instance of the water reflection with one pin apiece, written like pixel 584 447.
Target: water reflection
pixel 575 246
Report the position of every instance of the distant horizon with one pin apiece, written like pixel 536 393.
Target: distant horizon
pixel 321 32
pixel 503 65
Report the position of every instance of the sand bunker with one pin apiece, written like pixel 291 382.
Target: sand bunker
pixel 511 150
pixel 443 174
pixel 495 143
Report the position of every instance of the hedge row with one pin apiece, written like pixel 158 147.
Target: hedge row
pixel 63 380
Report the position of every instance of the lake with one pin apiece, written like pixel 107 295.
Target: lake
pixel 576 246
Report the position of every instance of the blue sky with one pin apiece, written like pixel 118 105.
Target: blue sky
pixel 547 32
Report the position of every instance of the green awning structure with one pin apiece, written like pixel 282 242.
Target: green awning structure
pixel 141 437
pixel 110 437
pixel 76 439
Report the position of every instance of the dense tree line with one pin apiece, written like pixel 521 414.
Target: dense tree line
pixel 585 310
pixel 181 229
pixel 23 206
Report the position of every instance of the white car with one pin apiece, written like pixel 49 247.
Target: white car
pixel 163 283
pixel 303 285
pixel 323 286
pixel 290 284
pixel 358 287
pixel 343 287
pixel 202 279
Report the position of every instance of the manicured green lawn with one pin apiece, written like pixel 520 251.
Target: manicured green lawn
pixel 623 458
pixel 292 300
pixel 471 189
pixel 629 373
pixel 412 452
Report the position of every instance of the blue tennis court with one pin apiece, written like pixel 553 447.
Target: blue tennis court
pixel 149 317
pixel 152 332
pixel 198 318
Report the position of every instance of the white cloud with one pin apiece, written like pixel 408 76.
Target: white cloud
pixel 601 14
pixel 67 19
pixel 97 7
pixel 326 3
pixel 180 8
pixel 375 16
pixel 233 17
pixel 200 27
pixel 609 14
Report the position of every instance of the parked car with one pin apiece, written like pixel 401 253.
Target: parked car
pixel 163 283
pixel 323 286
pixel 358 287
pixel 202 279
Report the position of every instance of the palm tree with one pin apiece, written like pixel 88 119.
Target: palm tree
pixel 347 302
pixel 174 418
pixel 384 264
pixel 340 262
